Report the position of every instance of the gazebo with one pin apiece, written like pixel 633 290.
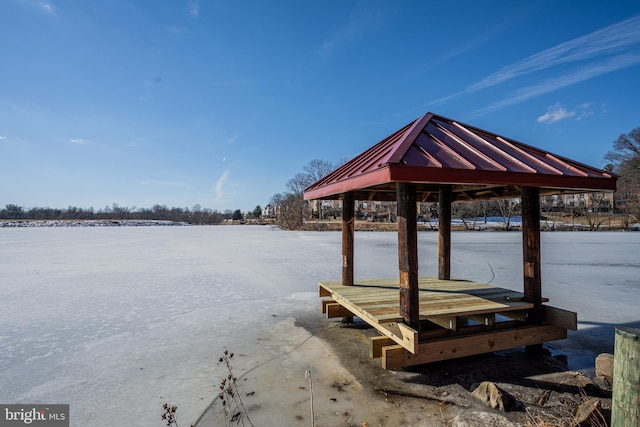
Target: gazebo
pixel 427 319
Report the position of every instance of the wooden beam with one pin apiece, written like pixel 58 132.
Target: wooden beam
pixel 531 264
pixel 348 237
pixel 401 334
pixel 408 335
pixel 376 345
pixel 348 232
pixel 518 315
pixel 408 254
pixel 444 232
pixel 322 291
pixel 559 317
pixel 531 251
pixel 326 302
pixel 394 357
pixel 446 322
pixel 334 310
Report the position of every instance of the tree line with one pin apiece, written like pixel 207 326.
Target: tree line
pixel 195 215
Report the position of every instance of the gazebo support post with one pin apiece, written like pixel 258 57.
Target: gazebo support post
pixel 348 237
pixel 444 232
pixel 408 254
pixel 531 257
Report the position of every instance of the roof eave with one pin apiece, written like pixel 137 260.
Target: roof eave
pixel 335 189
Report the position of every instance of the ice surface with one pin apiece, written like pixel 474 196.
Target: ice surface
pixel 116 321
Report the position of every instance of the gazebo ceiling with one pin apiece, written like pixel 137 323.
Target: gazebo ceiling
pixel 434 150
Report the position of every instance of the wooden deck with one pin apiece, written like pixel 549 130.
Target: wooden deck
pixel 458 317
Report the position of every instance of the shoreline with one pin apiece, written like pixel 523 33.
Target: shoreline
pixel 362 226
pixel 351 389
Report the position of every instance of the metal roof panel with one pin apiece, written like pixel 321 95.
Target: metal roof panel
pixel 435 150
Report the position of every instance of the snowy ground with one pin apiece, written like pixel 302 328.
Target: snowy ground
pixel 116 321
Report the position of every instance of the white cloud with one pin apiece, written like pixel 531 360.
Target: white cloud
pixel 584 111
pixel 2 138
pixel 608 40
pixel 603 43
pixel 367 16
pixel 584 115
pixel 220 184
pixel 41 5
pixel 193 8
pixel 555 113
pixel 78 141
pixel 47 7
pixel 175 32
pixel 585 73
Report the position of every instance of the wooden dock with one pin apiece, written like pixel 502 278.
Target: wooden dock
pixel 458 318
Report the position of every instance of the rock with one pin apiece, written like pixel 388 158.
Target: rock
pixel 493 396
pixel 605 384
pixel 588 413
pixel 604 366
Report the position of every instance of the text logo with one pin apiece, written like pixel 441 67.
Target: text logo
pixel 34 415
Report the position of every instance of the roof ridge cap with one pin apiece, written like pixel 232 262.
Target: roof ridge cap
pixel 409 137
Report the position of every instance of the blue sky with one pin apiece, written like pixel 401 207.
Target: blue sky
pixel 219 103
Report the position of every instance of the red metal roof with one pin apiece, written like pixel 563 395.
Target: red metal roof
pixel 434 150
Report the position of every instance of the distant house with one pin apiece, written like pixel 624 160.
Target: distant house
pixel 591 202
pixel 268 212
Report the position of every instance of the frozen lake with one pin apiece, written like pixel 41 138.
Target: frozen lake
pixel 116 321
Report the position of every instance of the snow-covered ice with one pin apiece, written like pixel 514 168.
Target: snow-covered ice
pixel 116 321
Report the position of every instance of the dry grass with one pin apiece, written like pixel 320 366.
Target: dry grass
pixel 546 421
pixel 595 419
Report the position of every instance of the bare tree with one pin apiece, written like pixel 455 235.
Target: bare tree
pixel 507 208
pixel 317 169
pixel 290 210
pixel 468 212
pixel 625 159
pixel 298 183
pixel 625 149
pixel 594 209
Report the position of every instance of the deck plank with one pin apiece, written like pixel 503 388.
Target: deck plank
pixel 376 301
